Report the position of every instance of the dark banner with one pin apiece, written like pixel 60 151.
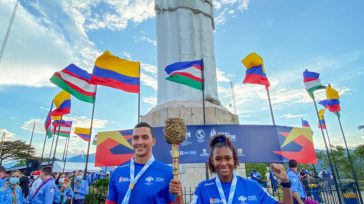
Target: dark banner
pixel 254 144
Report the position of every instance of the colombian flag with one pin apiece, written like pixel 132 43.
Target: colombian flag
pixel 332 103
pixel 83 133
pixel 255 72
pixel 63 104
pixel 115 72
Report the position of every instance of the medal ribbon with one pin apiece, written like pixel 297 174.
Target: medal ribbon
pixel 232 190
pixel 134 180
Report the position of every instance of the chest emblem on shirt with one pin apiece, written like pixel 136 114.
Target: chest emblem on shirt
pixel 149 180
pixel 123 179
pixel 242 198
pixel 215 200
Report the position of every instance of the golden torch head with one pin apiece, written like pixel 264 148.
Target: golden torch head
pixel 175 131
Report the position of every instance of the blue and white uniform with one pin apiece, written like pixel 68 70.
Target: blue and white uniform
pixel 151 188
pixel 3 187
pixel 61 197
pixel 296 184
pixel 44 194
pixel 13 195
pixel 80 189
pixel 247 192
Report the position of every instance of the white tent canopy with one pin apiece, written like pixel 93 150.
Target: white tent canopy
pixel 74 166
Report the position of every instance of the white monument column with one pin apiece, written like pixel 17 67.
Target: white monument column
pixel 185 33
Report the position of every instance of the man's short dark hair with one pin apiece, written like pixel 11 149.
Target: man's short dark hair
pixel 2 169
pixel 292 163
pixel 47 170
pixel 144 124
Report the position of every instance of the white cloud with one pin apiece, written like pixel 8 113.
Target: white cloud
pixel 118 14
pixel 290 116
pixel 227 8
pixel 149 68
pixel 45 48
pixel 150 100
pixel 9 136
pixel 38 128
pixel 149 75
pixel 222 76
pixel 148 40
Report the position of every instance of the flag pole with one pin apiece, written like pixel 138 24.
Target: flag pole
pixel 327 152
pixel 203 92
pixel 31 139
pixel 50 153
pixel 138 96
pixel 350 160
pixel 270 106
pixel 89 142
pixel 64 150
pixel 55 146
pixel 332 152
pixel 45 139
pixel 65 158
pixel 2 146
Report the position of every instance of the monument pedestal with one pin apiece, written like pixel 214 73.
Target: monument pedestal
pixel 192 113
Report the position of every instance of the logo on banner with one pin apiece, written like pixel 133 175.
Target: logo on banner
pixel 186 142
pixel 240 152
pixel 204 153
pixel 213 132
pixel 200 135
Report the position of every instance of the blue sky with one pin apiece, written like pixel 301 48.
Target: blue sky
pixel 291 36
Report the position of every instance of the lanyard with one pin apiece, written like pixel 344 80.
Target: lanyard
pixel 41 185
pixel 232 190
pixel 134 180
pixel 14 198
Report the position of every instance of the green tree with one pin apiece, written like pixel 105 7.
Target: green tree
pixel 16 150
pixel 359 161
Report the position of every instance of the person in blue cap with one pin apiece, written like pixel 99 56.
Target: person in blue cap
pixel 144 179
pixel 13 192
pixel 80 188
pixel 45 192
pixel 227 187
pixel 64 192
pixel 298 192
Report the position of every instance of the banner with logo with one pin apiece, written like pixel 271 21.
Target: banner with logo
pixel 254 144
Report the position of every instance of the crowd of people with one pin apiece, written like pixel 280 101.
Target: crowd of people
pixel 45 186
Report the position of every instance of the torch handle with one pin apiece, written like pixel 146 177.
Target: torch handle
pixel 175 160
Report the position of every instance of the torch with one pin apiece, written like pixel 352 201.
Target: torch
pixel 175 134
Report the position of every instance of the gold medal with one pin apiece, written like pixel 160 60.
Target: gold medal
pixel 131 185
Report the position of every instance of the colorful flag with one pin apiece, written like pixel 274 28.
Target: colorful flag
pixel 188 73
pixel 48 120
pixel 115 72
pixel 75 81
pixel 322 123
pixel 332 103
pixel 312 82
pixel 63 127
pixel 50 131
pixel 305 123
pixel 255 72
pixel 94 141
pixel 63 104
pixel 83 133
pixel 113 148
